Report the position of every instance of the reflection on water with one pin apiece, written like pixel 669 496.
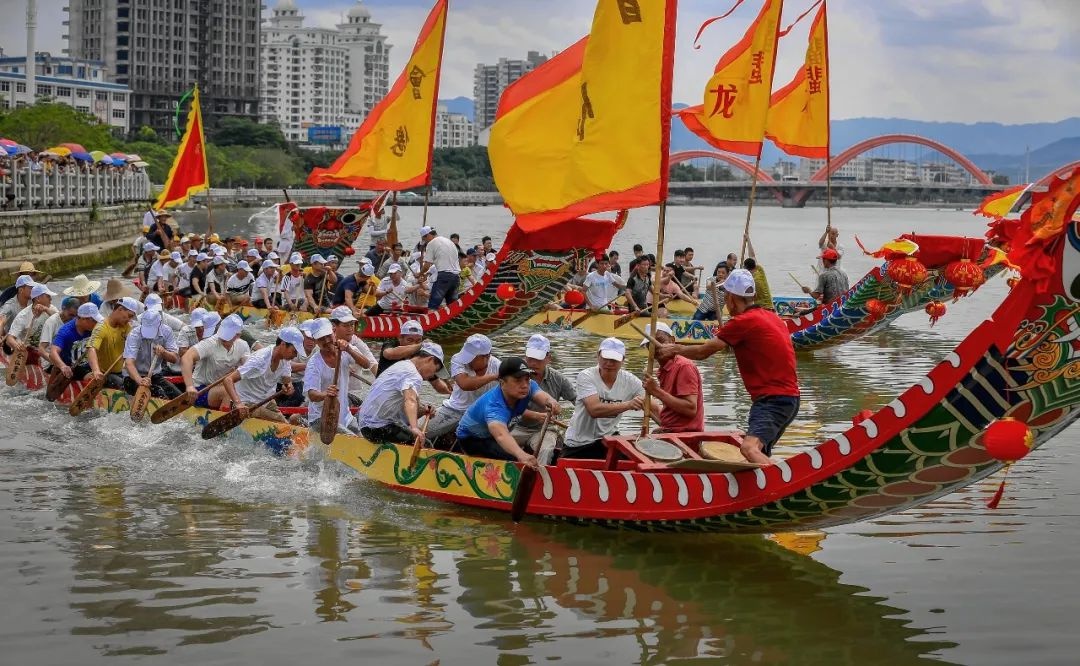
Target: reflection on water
pixel 127 541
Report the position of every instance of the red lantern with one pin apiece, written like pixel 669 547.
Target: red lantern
pixel 349 251
pixel 876 308
pixel 936 310
pixel 505 291
pixel 1006 440
pixel 906 272
pixel 965 276
pixel 574 298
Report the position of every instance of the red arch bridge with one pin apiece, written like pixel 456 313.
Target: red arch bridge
pixel 795 194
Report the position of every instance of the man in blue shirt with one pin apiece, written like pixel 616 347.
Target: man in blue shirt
pixel 484 430
pixel 67 353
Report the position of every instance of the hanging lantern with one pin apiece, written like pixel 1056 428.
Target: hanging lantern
pixel 936 310
pixel 965 276
pixel 906 272
pixel 505 291
pixel 349 251
pixel 1006 440
pixel 876 308
pixel 574 298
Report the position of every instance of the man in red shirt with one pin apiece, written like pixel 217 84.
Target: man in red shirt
pixel 766 360
pixel 678 389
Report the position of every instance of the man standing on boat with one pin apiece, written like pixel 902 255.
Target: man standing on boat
pixel 678 388
pixel 538 357
pixel 148 347
pixel 484 430
pixel 830 240
pixel 831 281
pixel 766 360
pixel 604 393
pixel 258 377
pixel 441 253
pixel 391 411
pixel 473 370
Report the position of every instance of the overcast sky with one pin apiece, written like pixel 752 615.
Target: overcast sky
pixel 1010 61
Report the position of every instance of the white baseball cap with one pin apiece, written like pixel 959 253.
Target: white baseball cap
pixel 149 247
pixel 292 336
pixel 394 268
pixel 150 324
pixel 342 314
pixel 273 256
pixel 129 303
pixel 296 259
pixel 197 317
pixel 89 311
pixel 612 349
pixel 308 327
pixel 740 283
pixel 317 259
pixel 193 253
pixel 424 231
pixel 253 253
pixel 538 347
pixel 269 264
pixel 476 345
pixel 153 302
pixel 367 269
pixel 331 259
pixel 41 290
pixel 210 322
pixel 24 281
pixel 176 256
pixel 364 261
pixel 219 251
pixel 432 349
pixel 321 328
pixel 243 266
pixel 415 256
pixel 412 327
pixel 230 327
pixel 201 256
pixel 218 261
pixel 661 327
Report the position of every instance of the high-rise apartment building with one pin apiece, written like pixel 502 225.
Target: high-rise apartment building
pixel 453 130
pixel 82 85
pixel 489 82
pixel 318 84
pixel 160 48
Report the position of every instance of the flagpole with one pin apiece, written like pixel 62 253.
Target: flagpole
pixel 750 206
pixel 427 195
pixel 392 231
pixel 658 274
pixel 828 189
pixel 209 213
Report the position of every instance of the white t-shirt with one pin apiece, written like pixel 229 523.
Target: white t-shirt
pixel 22 321
pixel 461 399
pixel 443 254
pixel 239 285
pixel 216 279
pixel 356 386
pixel 258 381
pixel 319 376
pixel 584 429
pixel 385 403
pixel 395 293
pixel 214 360
pixel 602 289
pixel 49 329
pixel 263 282
pixel 839 249
pixel 293 287
pixel 157 271
pixel 183 273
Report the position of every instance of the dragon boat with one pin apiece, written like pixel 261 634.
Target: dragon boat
pixel 1019 364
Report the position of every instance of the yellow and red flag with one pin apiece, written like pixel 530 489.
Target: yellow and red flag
pixel 732 116
pixel 999 204
pixel 798 121
pixel 392 148
pixel 589 130
pixel 189 173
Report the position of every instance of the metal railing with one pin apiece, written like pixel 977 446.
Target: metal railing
pixel 29 186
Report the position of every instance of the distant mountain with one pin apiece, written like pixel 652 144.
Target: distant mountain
pixel 462 105
pixel 1040 162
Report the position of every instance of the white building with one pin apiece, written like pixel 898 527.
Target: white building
pixel 489 82
pixel 856 170
pixel 453 130
pixel 887 170
pixel 318 84
pixel 81 84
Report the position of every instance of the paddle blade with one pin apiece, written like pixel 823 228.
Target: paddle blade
pixel 222 425
pixel 139 403
pixel 329 423
pixel 15 367
pixel 87 396
pixel 58 383
pixel 523 493
pixel 172 408
pixel 624 320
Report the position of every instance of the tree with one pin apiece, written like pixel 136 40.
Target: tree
pixel 47 124
pixel 685 172
pixel 244 132
pixel 147 135
pixel 1000 179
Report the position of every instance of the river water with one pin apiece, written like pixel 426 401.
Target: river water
pixel 121 542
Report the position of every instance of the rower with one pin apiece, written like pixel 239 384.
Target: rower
pixel 215 280
pixel 391 411
pixel 639 285
pixel 831 281
pixel 153 302
pixel 211 359
pixel 197 277
pixel 474 370
pixel 254 260
pixel 395 257
pixel 391 293
pixel 292 283
pixel 326 376
pixel 299 365
pixel 265 287
pixel 344 323
pixel 318 287
pixel 84 290
pixel 23 286
pixel 766 359
pixel 403 347
pixel 484 430
pixel 604 393
pixel 378 253
pixel 552 382
pixel 114 291
pixel 149 258
pixel 184 271
pixel 25 331
pixel 682 403
pixel 106 346
pixel 258 377
pixel 238 286
pixel 602 286
pixel 351 288
pixel 148 347
pixel 67 352
pixel 68 307
pixel 189 336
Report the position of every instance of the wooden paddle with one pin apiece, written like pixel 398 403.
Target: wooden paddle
pixel 58 383
pixel 230 420
pixel 142 394
pixel 331 410
pixel 593 312
pixel 180 403
pixel 89 393
pixel 716 302
pixel 792 276
pixel 528 479
pixel 420 440
pixel 17 362
pixel 630 316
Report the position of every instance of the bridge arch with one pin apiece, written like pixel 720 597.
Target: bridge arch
pixel 740 164
pixel 886 139
pixel 1060 172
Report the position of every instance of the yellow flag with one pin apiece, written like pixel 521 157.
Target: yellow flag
pixel 589 130
pixel 392 148
pixel 798 121
pixel 732 116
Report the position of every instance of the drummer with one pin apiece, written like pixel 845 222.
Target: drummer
pixel 604 393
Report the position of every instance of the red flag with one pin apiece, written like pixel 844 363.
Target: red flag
pixel 189 173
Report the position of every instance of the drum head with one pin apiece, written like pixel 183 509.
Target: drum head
pixel 721 451
pixel 658 449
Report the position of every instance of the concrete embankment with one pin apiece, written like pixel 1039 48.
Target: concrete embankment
pixel 66 240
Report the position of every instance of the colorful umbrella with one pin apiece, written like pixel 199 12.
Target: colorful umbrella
pixel 81 156
pixel 18 149
pixel 74 147
pixel 59 151
pixel 98 155
pixel 133 158
pixel 120 156
pixel 7 142
pixel 140 164
pixel 3 151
